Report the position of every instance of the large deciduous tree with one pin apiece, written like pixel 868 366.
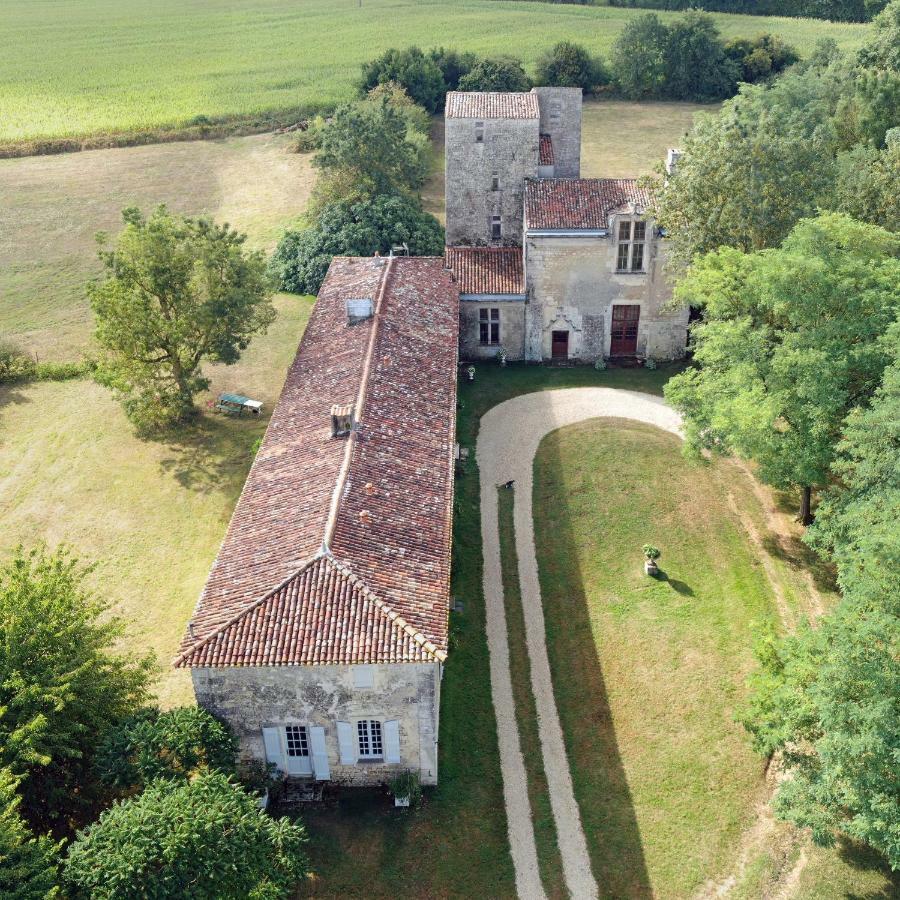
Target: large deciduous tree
pixel 503 73
pixel 176 292
pixel 414 70
pixel 788 345
pixel 568 64
pixel 639 57
pixel 61 684
pixel 882 49
pixel 203 839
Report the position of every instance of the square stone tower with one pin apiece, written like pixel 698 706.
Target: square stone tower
pixel 491 147
pixel 560 109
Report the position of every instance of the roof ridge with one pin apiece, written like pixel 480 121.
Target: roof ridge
pixel 331 521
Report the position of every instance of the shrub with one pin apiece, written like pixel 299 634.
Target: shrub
pixel 397 97
pixel 453 65
pixel 500 74
pixel 568 64
pixel 760 57
pixel 15 364
pixel 174 744
pixel 353 227
pixel 651 552
pixel 413 70
pixel 203 839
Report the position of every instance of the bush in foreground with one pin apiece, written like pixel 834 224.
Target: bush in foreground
pixel 353 227
pixel 204 839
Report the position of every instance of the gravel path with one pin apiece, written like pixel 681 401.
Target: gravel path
pixel 507 442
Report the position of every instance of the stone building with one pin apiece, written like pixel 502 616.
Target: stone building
pixel 321 633
pixel 550 266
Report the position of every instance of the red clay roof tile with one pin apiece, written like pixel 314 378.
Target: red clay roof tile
pixel 545 150
pixel 487 270
pixel 492 105
pixel 579 203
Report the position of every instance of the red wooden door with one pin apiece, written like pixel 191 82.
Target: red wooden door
pixel 623 337
pixel 559 346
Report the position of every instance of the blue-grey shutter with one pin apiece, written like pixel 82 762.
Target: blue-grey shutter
pixel 319 753
pixel 391 741
pixel 272 742
pixel 346 744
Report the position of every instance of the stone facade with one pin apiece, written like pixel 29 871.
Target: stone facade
pixel 486 178
pixel 561 119
pixel 252 698
pixel 512 328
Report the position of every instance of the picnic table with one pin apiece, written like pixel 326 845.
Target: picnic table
pixel 237 405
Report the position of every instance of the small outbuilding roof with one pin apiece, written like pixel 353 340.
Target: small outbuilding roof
pixel 492 105
pixel 338 551
pixel 579 203
pixel 487 270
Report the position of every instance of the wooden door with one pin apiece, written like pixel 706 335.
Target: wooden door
pixel 559 346
pixel 624 332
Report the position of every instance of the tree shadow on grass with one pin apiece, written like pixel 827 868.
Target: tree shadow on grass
pixel 11 396
pixel 865 859
pixel 601 785
pixel 212 454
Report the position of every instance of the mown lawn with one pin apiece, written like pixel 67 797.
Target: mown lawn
pixel 97 66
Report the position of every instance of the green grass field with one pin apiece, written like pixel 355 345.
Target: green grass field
pixel 87 67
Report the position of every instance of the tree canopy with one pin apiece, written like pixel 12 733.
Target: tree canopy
pixel 417 72
pixel 499 74
pixel 176 292
pixel 882 49
pixel 788 345
pixel 200 839
pixel 61 684
pixel 568 64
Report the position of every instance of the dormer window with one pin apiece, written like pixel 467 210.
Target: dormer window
pixel 341 419
pixel 479 132
pixel 359 309
pixel 630 251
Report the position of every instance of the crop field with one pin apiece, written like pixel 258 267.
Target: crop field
pixel 73 68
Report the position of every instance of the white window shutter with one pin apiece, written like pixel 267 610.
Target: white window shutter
pixel 319 753
pixel 346 743
pixel 272 742
pixel 392 741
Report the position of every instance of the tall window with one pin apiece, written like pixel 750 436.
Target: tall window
pixel 368 732
pixel 631 246
pixel 479 132
pixel 496 228
pixel 297 740
pixel 495 182
pixel 489 326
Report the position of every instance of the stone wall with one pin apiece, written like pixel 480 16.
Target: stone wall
pixel 250 698
pixel 512 329
pixel 508 152
pixel 573 285
pixel 561 119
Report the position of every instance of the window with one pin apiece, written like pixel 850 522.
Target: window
pixel 630 253
pixel 296 740
pixel 479 132
pixel 495 228
pixel 368 732
pixel 489 326
pixel 495 182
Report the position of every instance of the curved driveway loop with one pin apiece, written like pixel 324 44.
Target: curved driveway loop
pixel 507 442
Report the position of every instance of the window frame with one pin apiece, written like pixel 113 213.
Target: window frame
pixel 630 248
pixel 489 326
pixel 496 228
pixel 495 182
pixel 296 737
pixel 372 732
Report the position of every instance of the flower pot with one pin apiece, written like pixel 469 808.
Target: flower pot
pixel 263 801
pixel 650 567
pixel 401 801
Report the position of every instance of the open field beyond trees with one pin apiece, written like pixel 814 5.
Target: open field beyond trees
pixel 113 66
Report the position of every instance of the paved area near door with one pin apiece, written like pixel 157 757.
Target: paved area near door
pixel 509 437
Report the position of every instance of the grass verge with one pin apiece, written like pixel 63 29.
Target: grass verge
pixel 549 859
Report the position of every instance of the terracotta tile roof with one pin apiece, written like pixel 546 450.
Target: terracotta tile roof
pixel 492 105
pixel 579 203
pixel 487 270
pixel 545 151
pixel 339 548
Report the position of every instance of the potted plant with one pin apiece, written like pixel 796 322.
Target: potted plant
pixel 651 555
pixel 470 373
pixel 406 788
pixel 502 356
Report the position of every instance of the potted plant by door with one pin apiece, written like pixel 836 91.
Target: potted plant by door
pixel 651 555
pixel 406 788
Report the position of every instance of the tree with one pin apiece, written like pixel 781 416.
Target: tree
pixel 453 65
pixel 417 73
pixel 867 184
pixel 203 839
pixel 178 743
pixel 789 344
pixel 499 74
pixel 353 227
pixel 882 49
pixel 397 98
pixel 61 685
pixel 372 147
pixel 760 57
pixel 638 57
pixel 568 64
pixel 749 173
pixel 29 866
pixel 696 65
pixel 176 292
